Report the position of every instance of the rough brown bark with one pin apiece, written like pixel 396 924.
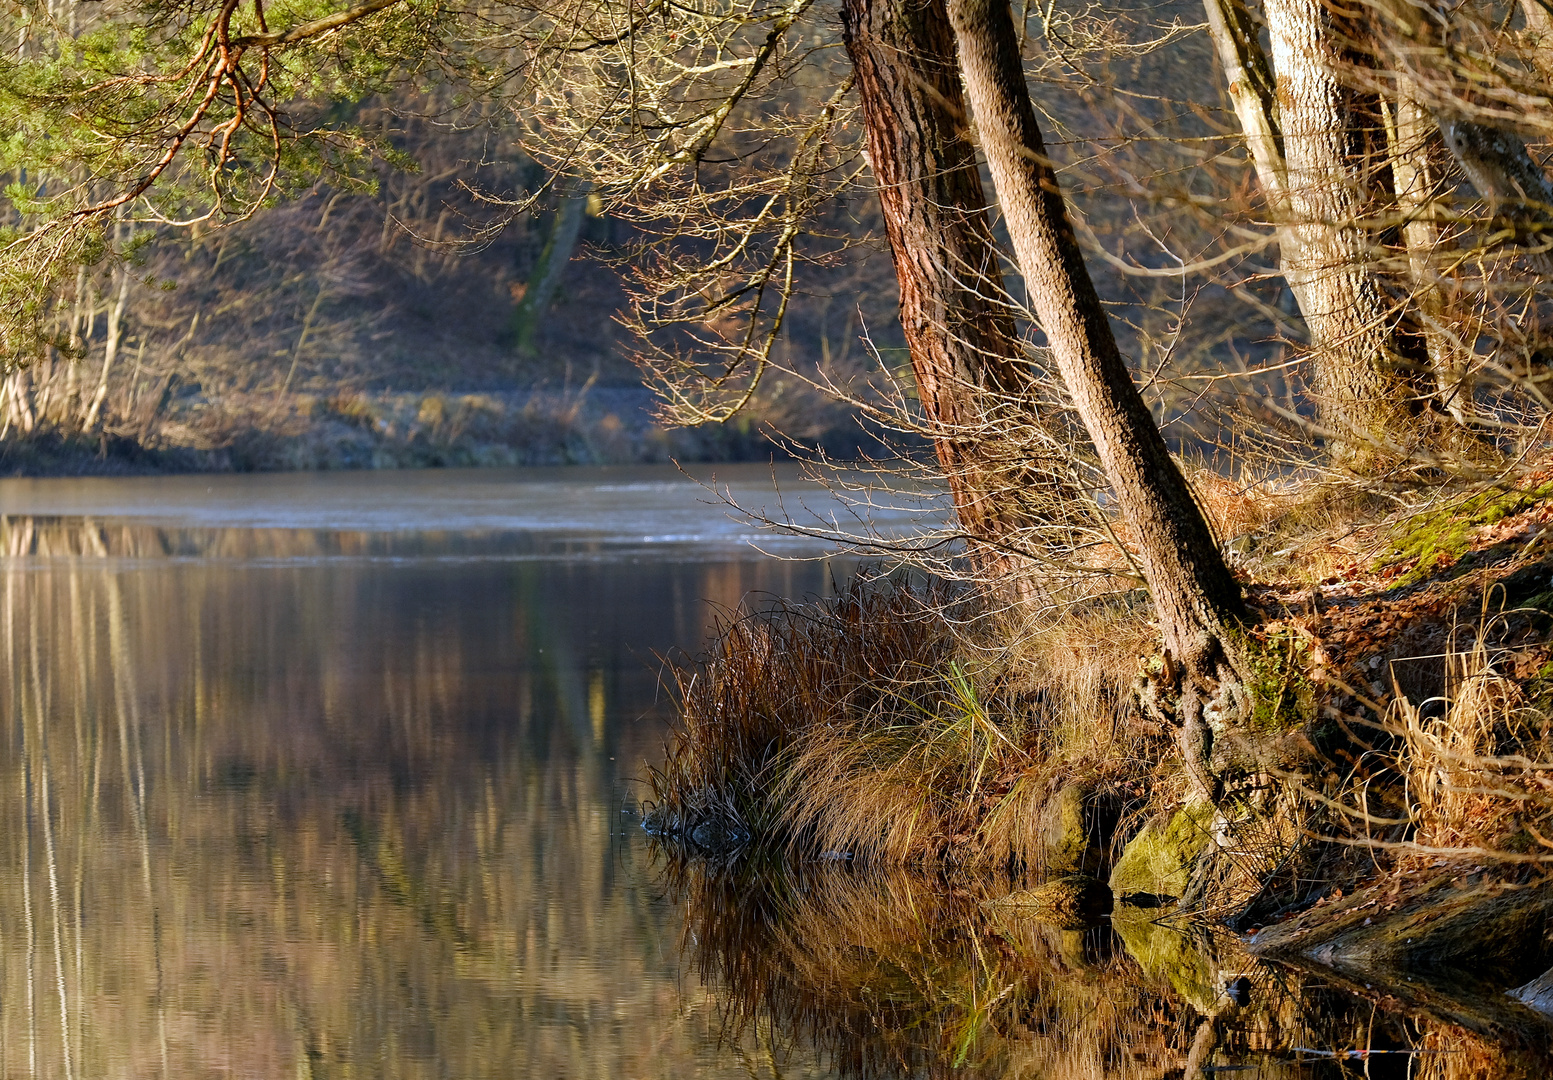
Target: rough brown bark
pixel 1197 599
pixel 961 336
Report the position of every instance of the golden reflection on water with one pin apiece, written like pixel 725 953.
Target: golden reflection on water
pixel 267 815
pixel 901 973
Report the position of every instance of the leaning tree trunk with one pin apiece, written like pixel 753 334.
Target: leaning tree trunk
pixel 965 351
pixel 1197 599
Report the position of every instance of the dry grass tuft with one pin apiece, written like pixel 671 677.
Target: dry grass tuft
pixel 1247 503
pixel 1465 776
pixel 774 677
pixel 914 774
pixel 1477 764
pixel 888 726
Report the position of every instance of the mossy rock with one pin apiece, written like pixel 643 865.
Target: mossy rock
pixel 1171 955
pixel 1160 859
pixel 1075 828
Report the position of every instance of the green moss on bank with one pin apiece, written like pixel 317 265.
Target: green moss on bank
pixel 1279 684
pixel 1439 537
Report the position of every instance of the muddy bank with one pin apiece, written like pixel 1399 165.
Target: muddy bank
pixel 388 430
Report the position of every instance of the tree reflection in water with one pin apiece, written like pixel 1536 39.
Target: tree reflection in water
pixel 894 973
pixel 283 803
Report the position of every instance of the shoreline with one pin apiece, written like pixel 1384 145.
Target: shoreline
pixel 397 430
pixel 1391 761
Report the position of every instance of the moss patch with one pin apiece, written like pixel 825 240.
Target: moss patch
pixel 1282 694
pixel 1438 538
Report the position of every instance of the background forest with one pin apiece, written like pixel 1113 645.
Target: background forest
pixel 456 301
pixel 383 324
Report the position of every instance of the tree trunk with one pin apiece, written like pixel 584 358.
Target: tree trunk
pixel 1362 378
pixel 964 347
pixel 115 330
pixel 1302 133
pixel 1539 31
pixel 1409 133
pixel 1197 599
pixel 535 302
pixel 1253 94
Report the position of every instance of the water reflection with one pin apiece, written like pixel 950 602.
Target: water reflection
pixel 603 512
pixel 902 974
pixel 281 816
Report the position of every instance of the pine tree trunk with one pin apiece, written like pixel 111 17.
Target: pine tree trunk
pixel 962 340
pixel 1197 599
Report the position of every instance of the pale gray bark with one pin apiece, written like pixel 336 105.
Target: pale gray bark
pixel 1410 131
pixel 1327 254
pixel 1253 94
pixel 115 333
pixel 1298 122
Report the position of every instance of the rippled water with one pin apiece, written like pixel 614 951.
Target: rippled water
pixel 335 776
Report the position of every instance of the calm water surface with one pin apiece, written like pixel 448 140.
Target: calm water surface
pixel 336 775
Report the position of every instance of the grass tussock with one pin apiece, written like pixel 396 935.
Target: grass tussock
pixel 878 728
pixel 1477 763
pixel 773 676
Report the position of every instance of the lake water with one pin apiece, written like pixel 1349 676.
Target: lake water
pixel 337 775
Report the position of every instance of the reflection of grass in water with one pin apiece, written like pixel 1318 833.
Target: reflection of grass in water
pixel 896 973
pixel 901 972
